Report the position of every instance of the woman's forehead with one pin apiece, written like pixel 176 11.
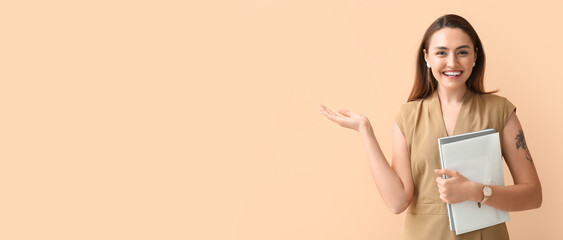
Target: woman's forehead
pixel 450 38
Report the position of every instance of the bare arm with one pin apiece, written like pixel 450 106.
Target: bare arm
pixel 526 193
pixel 395 183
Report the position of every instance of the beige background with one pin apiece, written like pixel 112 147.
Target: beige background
pixel 199 120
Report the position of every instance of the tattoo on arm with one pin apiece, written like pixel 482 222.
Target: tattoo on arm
pixel 521 143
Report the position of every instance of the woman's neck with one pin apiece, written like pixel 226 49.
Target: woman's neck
pixel 451 96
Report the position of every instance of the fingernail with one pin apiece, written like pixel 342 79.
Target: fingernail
pixel 436 170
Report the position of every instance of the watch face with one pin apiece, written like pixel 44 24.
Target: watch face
pixel 487 191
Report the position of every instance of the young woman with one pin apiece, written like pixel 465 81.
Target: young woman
pixel 448 98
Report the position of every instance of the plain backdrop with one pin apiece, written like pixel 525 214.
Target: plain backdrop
pixel 199 119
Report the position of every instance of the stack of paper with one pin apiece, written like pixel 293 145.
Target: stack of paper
pixel 477 156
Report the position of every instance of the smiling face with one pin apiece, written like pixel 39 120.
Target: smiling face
pixel 451 55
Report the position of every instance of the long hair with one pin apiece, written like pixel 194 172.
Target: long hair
pixel 424 82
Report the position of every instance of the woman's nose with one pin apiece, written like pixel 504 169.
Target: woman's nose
pixel 452 61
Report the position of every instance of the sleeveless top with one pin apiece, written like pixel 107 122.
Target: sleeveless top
pixel 421 123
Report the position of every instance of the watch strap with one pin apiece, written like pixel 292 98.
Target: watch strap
pixel 485 197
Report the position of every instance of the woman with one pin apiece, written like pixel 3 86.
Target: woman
pixel 447 98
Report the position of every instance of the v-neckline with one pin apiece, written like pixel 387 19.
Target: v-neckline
pixel 438 109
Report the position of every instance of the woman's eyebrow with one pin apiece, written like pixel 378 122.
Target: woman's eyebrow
pixel 445 48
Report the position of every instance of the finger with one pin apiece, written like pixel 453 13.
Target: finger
pixel 325 113
pixel 439 180
pixel 322 107
pixel 442 191
pixel 446 172
pixel 439 171
pixel 443 199
pixel 451 173
pixel 329 111
pixel 344 112
pixel 329 116
pixel 446 200
pixel 334 118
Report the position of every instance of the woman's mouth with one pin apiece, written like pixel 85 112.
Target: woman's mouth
pixel 452 74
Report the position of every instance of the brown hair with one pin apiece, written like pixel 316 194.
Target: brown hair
pixel 424 82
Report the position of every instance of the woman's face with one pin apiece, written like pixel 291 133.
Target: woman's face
pixel 451 56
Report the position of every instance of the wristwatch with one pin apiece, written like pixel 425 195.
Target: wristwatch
pixel 487 192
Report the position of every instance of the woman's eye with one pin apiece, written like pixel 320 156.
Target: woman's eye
pixel 441 53
pixel 463 52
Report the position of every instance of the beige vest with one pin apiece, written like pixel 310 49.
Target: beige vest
pixel 422 124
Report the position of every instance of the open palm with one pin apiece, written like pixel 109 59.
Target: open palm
pixel 347 119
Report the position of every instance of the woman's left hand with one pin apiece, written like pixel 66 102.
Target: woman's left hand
pixel 457 188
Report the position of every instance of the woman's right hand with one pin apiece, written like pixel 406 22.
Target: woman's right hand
pixel 348 119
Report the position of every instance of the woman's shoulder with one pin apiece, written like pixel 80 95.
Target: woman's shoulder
pixel 495 102
pixel 409 106
pixel 406 114
pixel 409 109
pixel 412 103
pixel 493 99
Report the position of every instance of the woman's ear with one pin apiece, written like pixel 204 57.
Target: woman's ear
pixel 425 55
pixel 476 51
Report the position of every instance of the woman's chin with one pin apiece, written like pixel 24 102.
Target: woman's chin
pixel 451 85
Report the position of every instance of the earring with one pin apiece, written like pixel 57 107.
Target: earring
pixel 428 64
pixel 473 64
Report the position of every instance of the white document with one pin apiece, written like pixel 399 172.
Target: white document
pixel 478 157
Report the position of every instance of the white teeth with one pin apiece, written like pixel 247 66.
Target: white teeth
pixel 452 73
